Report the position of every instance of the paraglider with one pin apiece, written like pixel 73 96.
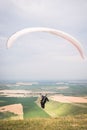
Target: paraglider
pixel 62 34
pixel 44 99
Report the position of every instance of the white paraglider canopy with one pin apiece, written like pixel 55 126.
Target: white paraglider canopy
pixel 62 34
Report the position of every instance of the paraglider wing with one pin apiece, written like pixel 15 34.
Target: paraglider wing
pixel 62 34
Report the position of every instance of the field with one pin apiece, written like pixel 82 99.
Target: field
pixel 73 88
pixel 9 110
pixel 61 123
pixel 30 108
pixel 66 110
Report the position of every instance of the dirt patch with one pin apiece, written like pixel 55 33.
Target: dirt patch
pixel 15 93
pixel 15 108
pixel 63 87
pixel 68 99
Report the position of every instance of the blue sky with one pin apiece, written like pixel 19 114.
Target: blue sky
pixel 41 56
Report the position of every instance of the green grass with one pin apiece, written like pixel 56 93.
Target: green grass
pixel 74 90
pixel 56 109
pixel 6 115
pixel 66 116
pixel 30 108
pixel 53 108
pixel 61 123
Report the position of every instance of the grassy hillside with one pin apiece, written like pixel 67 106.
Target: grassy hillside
pixel 55 109
pixel 56 116
pixel 61 123
pixel 31 109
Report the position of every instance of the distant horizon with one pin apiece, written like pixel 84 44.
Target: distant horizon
pixel 37 80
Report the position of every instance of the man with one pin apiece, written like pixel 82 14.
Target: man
pixel 44 99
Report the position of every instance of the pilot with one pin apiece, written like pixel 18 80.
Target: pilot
pixel 44 99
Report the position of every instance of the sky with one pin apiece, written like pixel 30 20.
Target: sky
pixel 42 56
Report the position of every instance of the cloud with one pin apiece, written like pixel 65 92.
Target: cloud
pixel 63 13
pixel 3 41
pixel 68 16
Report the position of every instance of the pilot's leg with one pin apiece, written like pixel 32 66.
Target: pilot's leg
pixel 42 105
